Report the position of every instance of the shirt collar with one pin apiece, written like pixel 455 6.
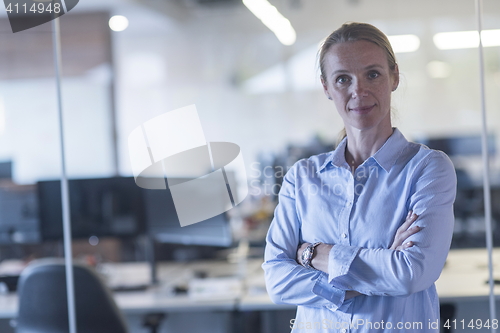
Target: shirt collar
pixel 336 157
pixel 389 153
pixel 386 156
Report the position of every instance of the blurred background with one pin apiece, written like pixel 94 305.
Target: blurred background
pixel 127 61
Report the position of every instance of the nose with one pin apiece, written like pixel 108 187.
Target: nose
pixel 359 89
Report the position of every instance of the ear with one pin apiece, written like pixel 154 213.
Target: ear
pixel 395 82
pixel 325 87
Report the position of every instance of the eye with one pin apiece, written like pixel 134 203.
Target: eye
pixel 373 74
pixel 342 79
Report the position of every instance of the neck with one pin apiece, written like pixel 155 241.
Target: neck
pixel 361 144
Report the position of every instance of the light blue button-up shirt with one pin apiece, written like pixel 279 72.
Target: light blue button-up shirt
pixel 322 200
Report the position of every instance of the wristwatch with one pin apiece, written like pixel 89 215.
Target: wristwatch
pixel 307 255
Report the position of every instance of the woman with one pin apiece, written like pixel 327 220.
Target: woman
pixel 360 265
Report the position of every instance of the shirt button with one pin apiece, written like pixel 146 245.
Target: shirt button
pixel 344 235
pixel 344 330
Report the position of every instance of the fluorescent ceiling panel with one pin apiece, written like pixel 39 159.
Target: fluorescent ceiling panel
pixel 466 39
pixel 272 19
pixel 404 43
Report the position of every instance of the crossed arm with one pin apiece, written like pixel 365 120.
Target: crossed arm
pixel 322 251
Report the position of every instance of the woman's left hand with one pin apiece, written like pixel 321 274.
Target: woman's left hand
pixel 320 257
pixel 320 262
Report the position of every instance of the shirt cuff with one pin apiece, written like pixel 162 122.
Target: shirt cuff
pixel 340 259
pixel 323 289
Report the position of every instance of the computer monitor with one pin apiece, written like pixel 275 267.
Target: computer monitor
pixel 18 214
pixel 464 145
pixel 102 207
pixel 6 170
pixel 164 226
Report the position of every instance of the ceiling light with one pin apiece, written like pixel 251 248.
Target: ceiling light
pixel 491 37
pixel 438 69
pixel 118 23
pixel 272 19
pixel 466 39
pixel 404 43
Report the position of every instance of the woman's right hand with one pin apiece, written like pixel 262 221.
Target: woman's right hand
pixel 404 231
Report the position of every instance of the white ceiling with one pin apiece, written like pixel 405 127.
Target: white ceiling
pixel 305 15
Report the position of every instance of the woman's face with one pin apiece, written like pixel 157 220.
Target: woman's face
pixel 358 79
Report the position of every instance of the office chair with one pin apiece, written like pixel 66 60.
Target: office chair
pixel 43 303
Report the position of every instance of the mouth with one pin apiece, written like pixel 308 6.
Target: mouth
pixel 362 109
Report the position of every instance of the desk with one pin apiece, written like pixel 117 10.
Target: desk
pixel 465 275
pixel 160 297
pixel 156 298
pixel 462 281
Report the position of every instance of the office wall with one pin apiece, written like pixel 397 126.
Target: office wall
pixel 249 88
pixel 29 127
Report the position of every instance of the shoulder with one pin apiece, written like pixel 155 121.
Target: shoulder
pixel 429 156
pixel 432 163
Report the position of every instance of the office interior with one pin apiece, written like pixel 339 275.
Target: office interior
pixel 250 88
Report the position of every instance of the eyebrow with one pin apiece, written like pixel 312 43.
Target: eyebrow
pixel 343 71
